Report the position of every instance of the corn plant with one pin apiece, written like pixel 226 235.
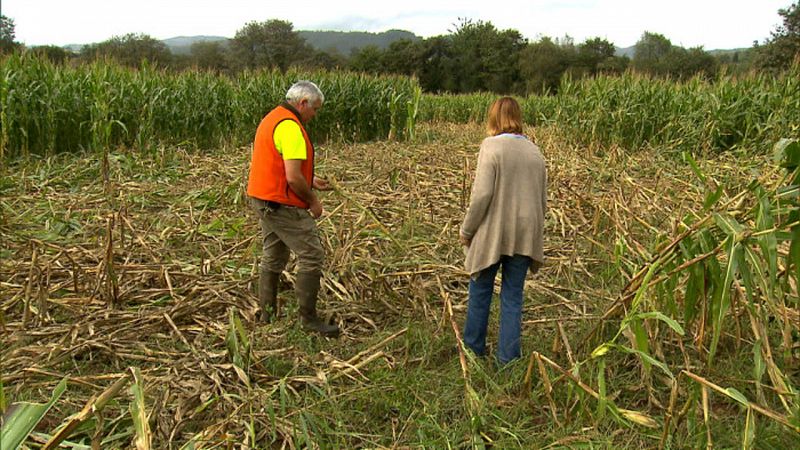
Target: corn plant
pixel 143 437
pixel 238 343
pixel 633 111
pixel 21 418
pixel 737 262
pixel 48 109
pixel 463 108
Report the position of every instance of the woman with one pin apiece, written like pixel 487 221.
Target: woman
pixel 503 227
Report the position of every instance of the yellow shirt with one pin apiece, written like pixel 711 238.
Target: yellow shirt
pixel 289 140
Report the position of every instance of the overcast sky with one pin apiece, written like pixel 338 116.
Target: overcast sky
pixel 713 24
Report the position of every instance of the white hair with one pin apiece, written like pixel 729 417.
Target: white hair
pixel 304 89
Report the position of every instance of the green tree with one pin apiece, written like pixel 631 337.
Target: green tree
pixel 367 59
pixel 783 47
pixel 485 58
pixel 55 54
pixel 543 63
pixel 649 53
pixel 7 35
pixel 437 65
pixel 329 60
pixel 738 61
pixel 593 52
pixel 614 65
pixel 681 63
pixel 210 55
pixel 131 50
pixel 404 57
pixel 272 44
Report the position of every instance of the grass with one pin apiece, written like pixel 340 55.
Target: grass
pixel 182 258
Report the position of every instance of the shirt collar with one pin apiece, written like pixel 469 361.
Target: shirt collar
pixel 512 135
pixel 291 109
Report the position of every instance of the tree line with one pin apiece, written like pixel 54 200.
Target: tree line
pixel 476 56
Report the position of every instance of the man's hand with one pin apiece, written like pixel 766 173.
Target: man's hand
pixel 321 184
pixel 464 240
pixel 316 208
pixel 298 184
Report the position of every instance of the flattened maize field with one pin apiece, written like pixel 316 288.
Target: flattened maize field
pixel 666 316
pixel 140 293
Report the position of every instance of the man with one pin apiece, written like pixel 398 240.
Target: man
pixel 280 188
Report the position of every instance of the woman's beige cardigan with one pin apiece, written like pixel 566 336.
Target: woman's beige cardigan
pixel 508 203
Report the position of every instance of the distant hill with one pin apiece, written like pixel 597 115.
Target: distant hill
pixel 341 41
pixel 345 41
pixel 629 51
pixel 625 51
pixel 182 45
pixel 730 51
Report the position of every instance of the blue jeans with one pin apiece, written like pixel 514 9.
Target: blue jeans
pixel 481 288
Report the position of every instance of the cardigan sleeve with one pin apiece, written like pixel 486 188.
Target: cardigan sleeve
pixel 482 193
pixel 544 194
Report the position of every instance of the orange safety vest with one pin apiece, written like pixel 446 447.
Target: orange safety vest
pixel 267 179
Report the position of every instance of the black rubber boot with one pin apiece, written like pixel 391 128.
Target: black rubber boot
pixel 268 295
pixel 307 288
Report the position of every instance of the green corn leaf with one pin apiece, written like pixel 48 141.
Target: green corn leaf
pixel 722 300
pixel 646 357
pixel 787 151
pixel 695 290
pixel 642 341
pixel 794 254
pixel 2 389
pixel 695 284
pixel 637 299
pixel 791 192
pixel 747 276
pixel 693 164
pixel 191 445
pixel 712 197
pixel 767 242
pixel 232 340
pixel 143 438
pixel 728 225
pixel 755 271
pixel 672 323
pixel 707 243
pixel 738 396
pixel 759 368
pixel 21 418
pixel 601 389
pixel 615 412
pixel 241 331
pixel 666 290
pixel 749 434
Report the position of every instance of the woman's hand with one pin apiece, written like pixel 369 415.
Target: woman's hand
pixel 465 241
